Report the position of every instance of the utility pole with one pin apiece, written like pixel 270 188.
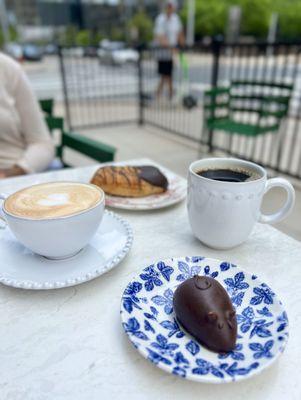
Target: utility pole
pixel 233 25
pixel 141 7
pixel 79 14
pixel 273 30
pixel 190 23
pixel 4 21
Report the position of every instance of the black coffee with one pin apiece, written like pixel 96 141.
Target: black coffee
pixel 228 175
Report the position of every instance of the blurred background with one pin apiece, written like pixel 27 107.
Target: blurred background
pixel 96 61
pixel 84 22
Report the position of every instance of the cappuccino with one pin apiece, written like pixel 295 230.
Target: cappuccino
pixel 53 200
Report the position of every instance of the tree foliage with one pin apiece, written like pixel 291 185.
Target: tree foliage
pixel 83 38
pixel 71 36
pixel 12 35
pixel 211 17
pixel 142 25
pixel 289 18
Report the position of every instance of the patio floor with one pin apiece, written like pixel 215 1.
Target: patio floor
pixel 177 153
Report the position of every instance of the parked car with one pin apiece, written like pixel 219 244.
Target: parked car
pixel 32 52
pixel 116 53
pixel 91 51
pixel 51 49
pixel 125 56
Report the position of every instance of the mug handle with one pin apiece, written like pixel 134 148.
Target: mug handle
pixel 288 206
pixel 2 216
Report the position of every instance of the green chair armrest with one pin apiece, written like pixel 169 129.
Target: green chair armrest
pixel 47 106
pixel 54 123
pixel 90 147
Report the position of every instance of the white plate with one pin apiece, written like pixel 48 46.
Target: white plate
pixel 21 268
pixel 176 192
pixel 149 321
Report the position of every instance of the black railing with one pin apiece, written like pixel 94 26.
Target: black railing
pixel 279 63
pixel 98 90
pixel 98 93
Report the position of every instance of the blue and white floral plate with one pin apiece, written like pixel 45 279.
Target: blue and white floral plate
pixel 148 319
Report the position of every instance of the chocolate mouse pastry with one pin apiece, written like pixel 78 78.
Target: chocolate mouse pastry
pixel 128 181
pixel 205 310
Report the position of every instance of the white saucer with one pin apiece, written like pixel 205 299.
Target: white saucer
pixel 21 268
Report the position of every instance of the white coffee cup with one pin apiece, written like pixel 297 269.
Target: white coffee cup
pixel 223 214
pixel 57 237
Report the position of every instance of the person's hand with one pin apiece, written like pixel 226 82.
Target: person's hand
pixel 10 172
pixel 163 41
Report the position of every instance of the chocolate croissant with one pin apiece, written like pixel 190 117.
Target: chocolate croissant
pixel 130 181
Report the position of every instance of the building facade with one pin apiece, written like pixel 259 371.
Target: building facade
pixel 25 12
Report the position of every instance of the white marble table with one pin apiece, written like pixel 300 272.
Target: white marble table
pixel 68 344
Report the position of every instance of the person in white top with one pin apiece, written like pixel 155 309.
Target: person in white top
pixel 25 142
pixel 168 35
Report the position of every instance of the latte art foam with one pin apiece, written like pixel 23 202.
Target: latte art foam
pixel 52 200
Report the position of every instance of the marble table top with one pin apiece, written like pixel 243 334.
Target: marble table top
pixel 69 344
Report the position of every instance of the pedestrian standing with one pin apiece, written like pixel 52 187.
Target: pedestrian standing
pixel 168 35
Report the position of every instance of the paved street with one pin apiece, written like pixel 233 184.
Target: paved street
pixel 45 77
pixel 85 79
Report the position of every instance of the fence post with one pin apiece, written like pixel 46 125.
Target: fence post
pixel 65 91
pixel 216 49
pixel 140 87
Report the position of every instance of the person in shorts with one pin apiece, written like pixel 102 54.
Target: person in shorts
pixel 168 34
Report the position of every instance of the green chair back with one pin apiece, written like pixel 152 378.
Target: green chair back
pixel 262 104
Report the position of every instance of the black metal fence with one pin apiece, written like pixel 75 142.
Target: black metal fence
pixel 191 76
pixel 279 63
pixel 98 94
pixel 98 91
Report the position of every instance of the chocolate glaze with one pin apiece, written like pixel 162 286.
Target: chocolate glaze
pixel 153 176
pixel 204 309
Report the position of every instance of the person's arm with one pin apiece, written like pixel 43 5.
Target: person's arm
pixel 181 38
pixel 15 170
pixel 39 150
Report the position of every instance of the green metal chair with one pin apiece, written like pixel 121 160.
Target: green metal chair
pixel 47 106
pixel 94 149
pixel 262 104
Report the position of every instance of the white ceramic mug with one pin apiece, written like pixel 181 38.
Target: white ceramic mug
pixel 223 214
pixel 59 237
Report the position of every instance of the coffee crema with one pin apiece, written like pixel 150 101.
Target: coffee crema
pixel 52 200
pixel 235 175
